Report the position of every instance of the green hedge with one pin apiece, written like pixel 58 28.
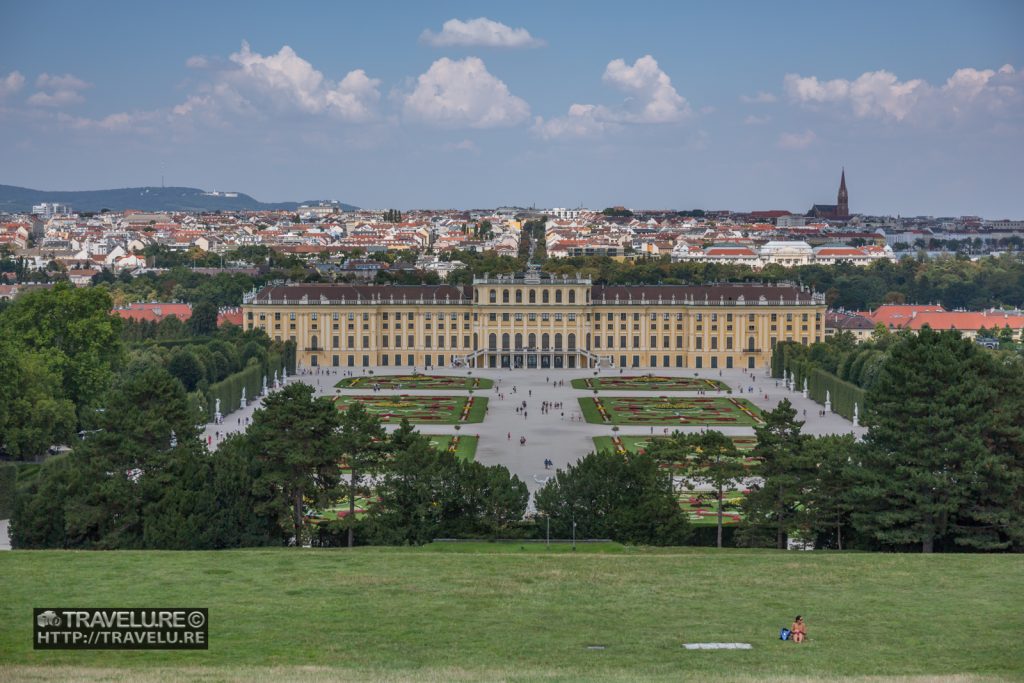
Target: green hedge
pixel 843 394
pixel 790 357
pixel 8 482
pixel 229 389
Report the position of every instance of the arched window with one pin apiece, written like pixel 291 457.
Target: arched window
pixel 519 296
pixel 572 296
pixel 558 296
pixel 544 297
pixel 312 342
pixel 504 296
pixel 558 341
pixel 545 341
pixel 588 341
pixel 533 296
pixel 588 296
pixel 572 341
pixel 519 342
pixel 475 345
pixel 533 340
pixel 750 343
pixel 494 296
pixel 492 341
pixel 504 341
pixel 476 296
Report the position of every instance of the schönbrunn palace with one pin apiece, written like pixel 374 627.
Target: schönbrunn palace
pixel 536 320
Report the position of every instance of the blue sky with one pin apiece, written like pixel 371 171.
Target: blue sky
pixel 742 105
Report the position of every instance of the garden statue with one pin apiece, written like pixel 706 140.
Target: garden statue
pixel 243 402
pixel 217 417
pixel 856 416
pixel 828 401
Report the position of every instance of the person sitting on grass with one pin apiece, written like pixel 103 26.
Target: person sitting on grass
pixel 799 629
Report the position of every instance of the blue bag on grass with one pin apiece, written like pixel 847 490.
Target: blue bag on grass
pixel 784 634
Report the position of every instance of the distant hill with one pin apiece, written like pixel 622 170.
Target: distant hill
pixel 20 199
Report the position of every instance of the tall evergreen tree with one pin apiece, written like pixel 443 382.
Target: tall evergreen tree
pixel 776 507
pixel 933 415
pixel 295 437
pixel 362 445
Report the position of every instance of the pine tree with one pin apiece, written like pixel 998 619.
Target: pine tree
pixel 778 504
pixel 362 443
pixel 298 448
pixel 927 412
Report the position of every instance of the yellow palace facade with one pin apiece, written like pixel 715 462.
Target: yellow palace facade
pixel 534 320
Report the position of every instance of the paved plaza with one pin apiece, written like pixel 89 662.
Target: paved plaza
pixel 560 435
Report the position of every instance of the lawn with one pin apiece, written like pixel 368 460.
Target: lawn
pixel 448 613
pixel 639 444
pixel 417 381
pixel 648 383
pixel 664 410
pixel 420 409
pixel 463 449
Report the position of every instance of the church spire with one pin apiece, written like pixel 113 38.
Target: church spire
pixel 843 200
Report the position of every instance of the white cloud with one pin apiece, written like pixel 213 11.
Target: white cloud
pixel 797 140
pixel 58 91
pixel 760 98
pixel 457 93
pixel 197 62
pixel 481 32
pixel 11 83
pixel 288 82
pixel 657 100
pixel 880 94
pixel 756 120
pixel 652 99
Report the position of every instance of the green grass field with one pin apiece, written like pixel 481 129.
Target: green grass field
pixel 464 450
pixel 418 381
pixel 648 383
pixel 519 612
pixel 664 410
pixel 419 409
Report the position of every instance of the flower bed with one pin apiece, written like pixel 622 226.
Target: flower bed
pixel 415 381
pixel 648 383
pixel 664 410
pixel 419 409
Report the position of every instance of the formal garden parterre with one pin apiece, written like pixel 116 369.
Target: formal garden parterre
pixel 665 410
pixel 649 383
pixel 420 409
pixel 640 444
pixel 415 381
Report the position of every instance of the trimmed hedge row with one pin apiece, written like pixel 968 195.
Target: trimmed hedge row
pixel 790 357
pixel 229 389
pixel 8 483
pixel 843 394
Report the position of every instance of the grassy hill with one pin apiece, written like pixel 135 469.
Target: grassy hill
pixel 20 199
pixel 522 613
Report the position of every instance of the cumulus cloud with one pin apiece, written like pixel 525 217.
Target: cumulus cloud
pixel 287 81
pixel 797 140
pixel 651 99
pixel 197 62
pixel 481 32
pixel 58 91
pixel 880 94
pixel 760 98
pixel 462 93
pixel 11 83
